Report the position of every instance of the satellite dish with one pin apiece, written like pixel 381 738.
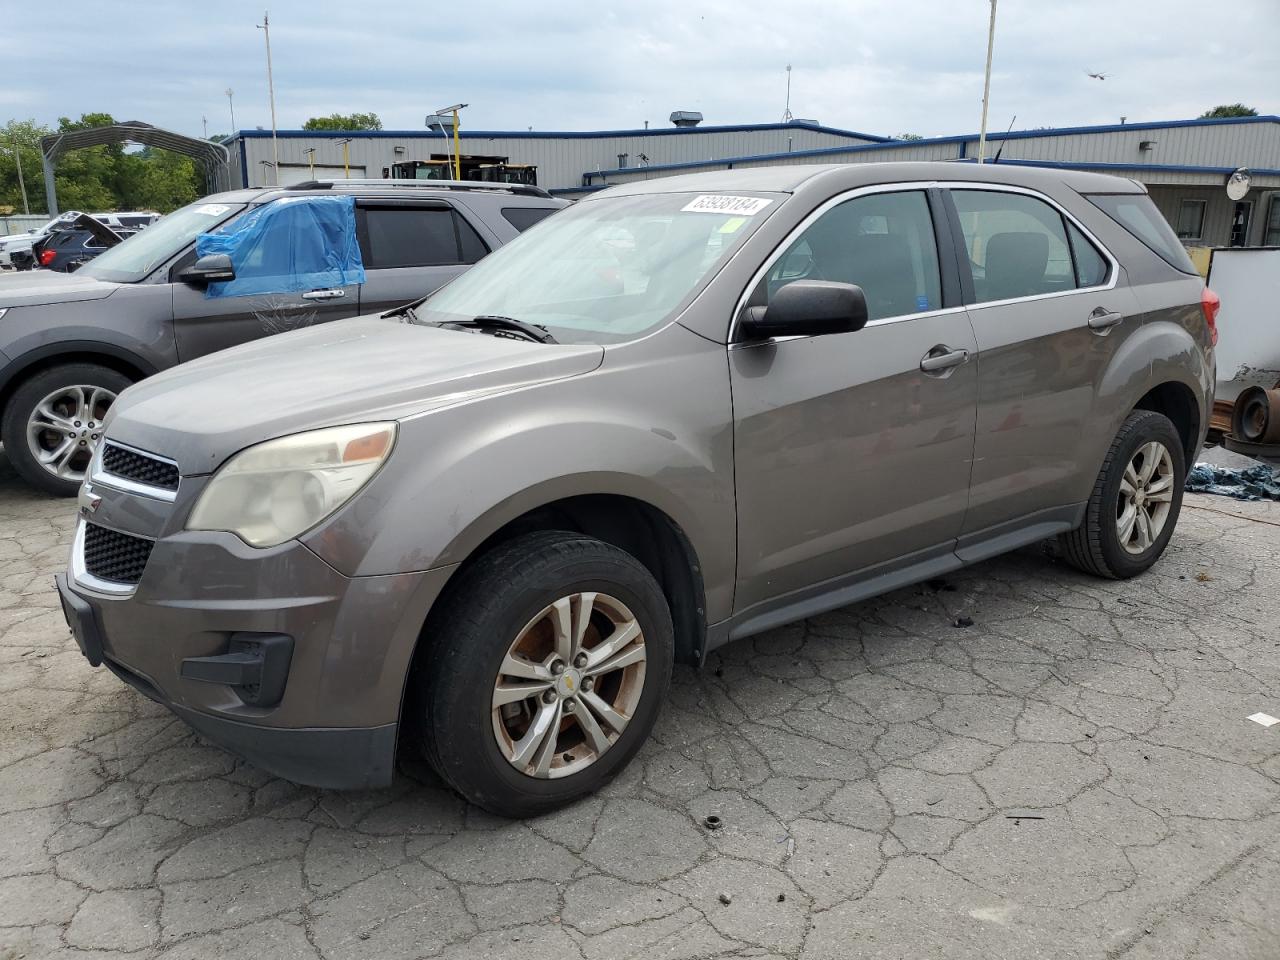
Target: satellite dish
pixel 1238 184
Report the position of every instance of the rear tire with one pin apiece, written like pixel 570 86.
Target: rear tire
pixel 69 401
pixel 526 641
pixel 1135 503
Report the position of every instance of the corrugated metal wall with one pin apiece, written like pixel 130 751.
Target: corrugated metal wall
pixel 561 160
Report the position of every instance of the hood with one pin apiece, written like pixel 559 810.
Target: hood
pixel 33 288
pixel 368 368
pixel 96 228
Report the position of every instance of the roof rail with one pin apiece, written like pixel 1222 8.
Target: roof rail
pixel 523 189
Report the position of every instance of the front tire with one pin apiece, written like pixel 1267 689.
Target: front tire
pixel 550 660
pixel 53 423
pixel 1135 503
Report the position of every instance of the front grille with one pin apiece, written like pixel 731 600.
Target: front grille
pixel 111 555
pixel 138 467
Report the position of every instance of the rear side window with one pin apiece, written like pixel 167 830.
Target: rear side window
pixel 418 237
pixel 1138 215
pixel 882 242
pixel 1017 245
pixel 522 218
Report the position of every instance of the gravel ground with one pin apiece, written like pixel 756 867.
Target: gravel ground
pixel 1073 775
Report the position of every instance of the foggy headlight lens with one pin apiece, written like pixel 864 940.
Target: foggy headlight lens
pixel 276 490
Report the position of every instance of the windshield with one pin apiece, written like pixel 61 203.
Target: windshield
pixel 604 270
pixel 133 260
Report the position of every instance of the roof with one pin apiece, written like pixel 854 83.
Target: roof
pixel 134 131
pixel 464 133
pixel 789 178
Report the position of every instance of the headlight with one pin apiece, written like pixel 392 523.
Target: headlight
pixel 276 490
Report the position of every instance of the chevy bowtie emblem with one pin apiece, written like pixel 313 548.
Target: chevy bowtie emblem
pixel 89 501
pixel 568 682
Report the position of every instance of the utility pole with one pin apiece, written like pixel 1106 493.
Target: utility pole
pixel 232 104
pixel 265 27
pixel 986 85
pixel 26 207
pixel 204 122
pixel 786 113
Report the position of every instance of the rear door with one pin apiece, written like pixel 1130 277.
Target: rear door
pixel 411 248
pixel 852 451
pixel 1049 309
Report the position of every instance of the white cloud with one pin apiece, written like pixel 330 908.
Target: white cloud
pixel 881 66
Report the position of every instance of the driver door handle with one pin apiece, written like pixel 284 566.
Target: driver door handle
pixel 942 358
pixel 324 295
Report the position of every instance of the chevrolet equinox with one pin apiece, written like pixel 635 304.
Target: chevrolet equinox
pixel 680 412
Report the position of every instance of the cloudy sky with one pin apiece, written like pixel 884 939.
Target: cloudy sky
pixel 880 66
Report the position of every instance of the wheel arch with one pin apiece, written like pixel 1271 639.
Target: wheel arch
pixel 33 362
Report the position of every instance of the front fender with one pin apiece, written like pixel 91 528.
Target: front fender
pixel 657 430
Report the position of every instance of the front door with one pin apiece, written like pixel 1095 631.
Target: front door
pixel 1049 312
pixel 853 451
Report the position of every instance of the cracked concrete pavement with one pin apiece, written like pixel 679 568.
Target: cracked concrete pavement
pixel 1071 776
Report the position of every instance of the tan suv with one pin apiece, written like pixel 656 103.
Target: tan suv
pixel 677 413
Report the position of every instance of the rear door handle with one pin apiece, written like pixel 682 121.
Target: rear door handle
pixel 324 295
pixel 942 358
pixel 1102 319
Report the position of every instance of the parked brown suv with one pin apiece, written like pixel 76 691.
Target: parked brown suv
pixel 677 413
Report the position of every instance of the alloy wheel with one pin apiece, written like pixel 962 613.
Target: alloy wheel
pixel 1146 497
pixel 568 685
pixel 64 429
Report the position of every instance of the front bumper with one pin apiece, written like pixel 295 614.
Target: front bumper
pixel 333 720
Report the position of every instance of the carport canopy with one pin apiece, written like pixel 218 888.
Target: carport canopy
pixel 212 157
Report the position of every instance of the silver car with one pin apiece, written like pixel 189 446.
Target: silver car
pixel 678 413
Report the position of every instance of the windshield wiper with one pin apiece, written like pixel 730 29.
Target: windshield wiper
pixel 533 331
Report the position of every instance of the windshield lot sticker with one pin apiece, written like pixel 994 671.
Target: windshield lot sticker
pixel 730 226
pixel 718 203
pixel 213 209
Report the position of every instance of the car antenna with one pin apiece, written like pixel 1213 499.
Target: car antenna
pixel 1002 142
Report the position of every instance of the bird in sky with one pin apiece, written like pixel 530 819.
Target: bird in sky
pixel 1097 76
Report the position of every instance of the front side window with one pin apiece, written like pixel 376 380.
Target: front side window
pixel 607 269
pixel 1016 244
pixel 882 242
pixel 135 260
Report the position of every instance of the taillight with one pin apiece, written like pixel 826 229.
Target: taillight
pixel 1211 303
pixel 46 257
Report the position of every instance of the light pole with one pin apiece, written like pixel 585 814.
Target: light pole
pixel 204 123
pixel 232 104
pixel 265 27
pixel 457 148
pixel 26 207
pixel 310 154
pixel 986 85
pixel 346 156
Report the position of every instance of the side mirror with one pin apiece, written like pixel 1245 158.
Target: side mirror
pixel 808 308
pixel 214 268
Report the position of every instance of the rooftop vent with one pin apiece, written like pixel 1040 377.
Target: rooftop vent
pixel 686 118
pixel 804 123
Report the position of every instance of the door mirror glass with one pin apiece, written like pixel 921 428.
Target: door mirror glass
pixel 211 268
pixel 808 308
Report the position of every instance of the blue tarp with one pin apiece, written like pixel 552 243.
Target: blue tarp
pixel 289 246
pixel 1251 483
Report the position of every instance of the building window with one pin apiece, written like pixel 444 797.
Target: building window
pixel 1191 220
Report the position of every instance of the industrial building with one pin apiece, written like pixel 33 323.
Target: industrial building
pixel 1184 163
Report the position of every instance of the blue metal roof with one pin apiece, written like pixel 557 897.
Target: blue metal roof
pixel 561 134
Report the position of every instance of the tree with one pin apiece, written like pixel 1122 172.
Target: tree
pixel 344 121
pixel 1229 110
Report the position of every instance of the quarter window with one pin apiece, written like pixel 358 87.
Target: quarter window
pixel 1191 219
pixel 1091 267
pixel 1017 245
pixel 882 242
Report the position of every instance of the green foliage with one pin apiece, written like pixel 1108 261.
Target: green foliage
pixel 95 179
pixel 344 121
pixel 1229 110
